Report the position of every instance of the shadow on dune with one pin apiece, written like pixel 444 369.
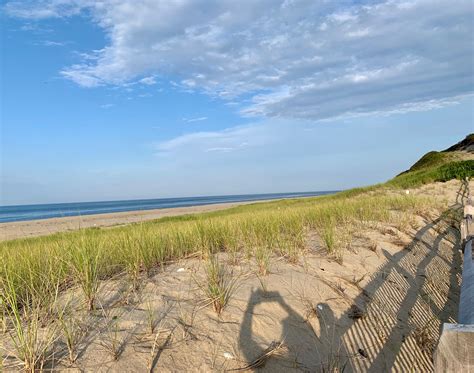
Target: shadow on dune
pixel 250 347
pixel 303 349
pixel 406 302
pixel 404 305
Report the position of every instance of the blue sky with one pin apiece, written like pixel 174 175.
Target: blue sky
pixel 147 99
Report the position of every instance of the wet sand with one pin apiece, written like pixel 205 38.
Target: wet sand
pixel 32 228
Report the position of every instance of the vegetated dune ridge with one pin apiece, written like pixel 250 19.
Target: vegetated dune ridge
pixel 359 281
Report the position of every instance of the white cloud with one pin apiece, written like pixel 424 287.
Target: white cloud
pixel 295 59
pixel 199 119
pixel 51 43
pixel 276 154
pixel 342 17
pixel 219 149
pixel 358 33
pixel 149 80
pixel 76 74
pixel 224 141
pixel 42 9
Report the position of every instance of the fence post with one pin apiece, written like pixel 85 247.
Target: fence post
pixel 455 351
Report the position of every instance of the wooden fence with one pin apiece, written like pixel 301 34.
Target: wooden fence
pixel 455 351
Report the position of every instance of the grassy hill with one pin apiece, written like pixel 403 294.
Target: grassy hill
pixel 456 162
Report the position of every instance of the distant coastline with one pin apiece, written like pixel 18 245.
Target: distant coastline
pixel 13 213
pixel 72 216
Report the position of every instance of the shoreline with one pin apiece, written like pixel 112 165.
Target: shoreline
pixel 43 227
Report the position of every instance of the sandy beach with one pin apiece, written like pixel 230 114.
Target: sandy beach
pixel 41 227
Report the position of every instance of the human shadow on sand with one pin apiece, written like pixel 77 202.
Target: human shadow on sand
pixel 301 348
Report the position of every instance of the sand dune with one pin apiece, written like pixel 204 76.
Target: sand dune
pixel 379 308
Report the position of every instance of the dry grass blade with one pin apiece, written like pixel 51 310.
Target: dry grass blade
pixel 71 331
pixel 262 257
pixel 3 317
pixel 424 336
pixel 151 317
pixel 275 348
pixel 157 347
pixel 186 322
pixel 113 341
pixel 263 283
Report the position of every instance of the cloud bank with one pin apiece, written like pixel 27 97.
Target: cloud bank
pixel 292 59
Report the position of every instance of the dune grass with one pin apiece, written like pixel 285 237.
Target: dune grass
pixel 220 284
pixel 430 160
pixel 31 344
pixel 436 167
pixel 83 258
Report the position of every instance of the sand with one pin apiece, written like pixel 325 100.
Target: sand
pixel 380 309
pixel 32 228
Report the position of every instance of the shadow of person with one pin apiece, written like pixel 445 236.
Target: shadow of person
pixel 301 346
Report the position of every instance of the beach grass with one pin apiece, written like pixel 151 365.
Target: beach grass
pixel 435 167
pixel 36 266
pixel 31 343
pixel 220 284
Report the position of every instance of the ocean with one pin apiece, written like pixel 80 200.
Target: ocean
pixel 46 211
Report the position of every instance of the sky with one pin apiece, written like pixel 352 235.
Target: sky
pixel 110 100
